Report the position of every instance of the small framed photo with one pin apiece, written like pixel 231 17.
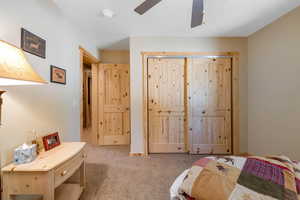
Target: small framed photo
pixel 33 44
pixel 51 141
pixel 58 75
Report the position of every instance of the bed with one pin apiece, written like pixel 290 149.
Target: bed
pixel 239 178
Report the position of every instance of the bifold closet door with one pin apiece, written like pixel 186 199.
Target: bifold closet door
pixel 209 105
pixel 166 105
pixel 114 104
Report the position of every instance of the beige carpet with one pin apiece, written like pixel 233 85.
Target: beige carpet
pixel 113 175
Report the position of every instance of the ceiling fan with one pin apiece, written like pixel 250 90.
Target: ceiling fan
pixel 197 13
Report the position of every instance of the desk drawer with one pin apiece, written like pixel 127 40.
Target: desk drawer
pixel 24 183
pixel 66 170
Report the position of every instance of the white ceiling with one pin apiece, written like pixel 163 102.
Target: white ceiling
pixel 224 18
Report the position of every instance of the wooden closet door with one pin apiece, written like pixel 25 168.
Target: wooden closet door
pixel 166 105
pixel 209 107
pixel 114 103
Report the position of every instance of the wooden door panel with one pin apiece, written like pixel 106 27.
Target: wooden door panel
pixel 167 148
pixel 112 86
pixel 198 90
pixel 209 135
pixel 113 108
pixel 166 132
pixel 114 111
pixel 210 105
pixel 166 83
pixel 113 123
pixel 116 140
pixel 219 85
pixel 166 105
pixel 208 149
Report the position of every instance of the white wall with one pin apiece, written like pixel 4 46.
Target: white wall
pixel 140 44
pixel 273 86
pixel 44 108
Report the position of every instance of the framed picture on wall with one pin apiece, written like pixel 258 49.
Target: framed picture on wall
pixel 58 75
pixel 33 44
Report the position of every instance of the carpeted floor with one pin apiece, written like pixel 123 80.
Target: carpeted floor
pixel 113 175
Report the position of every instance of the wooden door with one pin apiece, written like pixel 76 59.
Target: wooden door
pixel 114 104
pixel 166 105
pixel 209 107
pixel 86 99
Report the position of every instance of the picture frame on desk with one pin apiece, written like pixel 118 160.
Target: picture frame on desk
pixel 51 141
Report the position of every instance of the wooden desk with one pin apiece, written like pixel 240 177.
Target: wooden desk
pixel 47 175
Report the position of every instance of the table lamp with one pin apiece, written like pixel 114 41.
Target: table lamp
pixel 15 69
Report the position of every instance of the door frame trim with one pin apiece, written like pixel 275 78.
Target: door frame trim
pixel 235 92
pixel 87 57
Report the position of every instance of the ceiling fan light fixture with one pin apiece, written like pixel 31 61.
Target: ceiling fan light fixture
pixel 198 11
pixel 108 13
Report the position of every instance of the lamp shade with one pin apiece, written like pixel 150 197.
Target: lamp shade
pixel 14 67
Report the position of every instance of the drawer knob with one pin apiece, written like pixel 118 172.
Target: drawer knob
pixel 64 173
pixel 84 156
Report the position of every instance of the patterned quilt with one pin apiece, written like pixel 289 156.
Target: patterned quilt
pixel 242 178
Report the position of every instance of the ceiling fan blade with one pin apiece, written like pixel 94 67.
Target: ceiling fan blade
pixel 197 13
pixel 147 5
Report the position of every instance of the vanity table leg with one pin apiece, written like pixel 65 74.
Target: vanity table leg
pixel 49 193
pixel 48 196
pixel 6 191
pixel 7 196
pixel 82 175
